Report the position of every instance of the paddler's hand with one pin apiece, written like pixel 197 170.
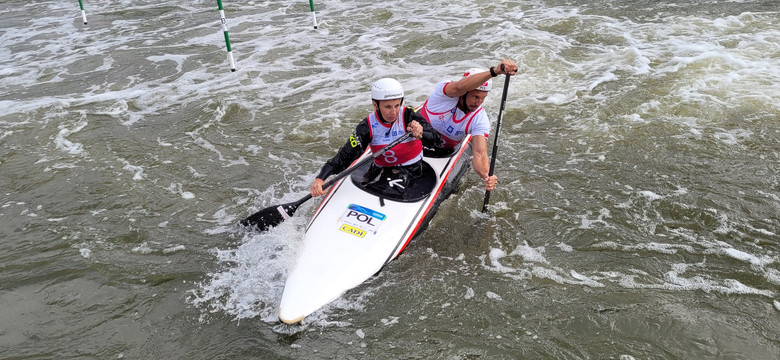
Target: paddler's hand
pixel 415 128
pixel 490 182
pixel 507 67
pixel 316 187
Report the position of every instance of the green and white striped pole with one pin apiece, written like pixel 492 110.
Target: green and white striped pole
pixel 83 13
pixel 227 38
pixel 313 15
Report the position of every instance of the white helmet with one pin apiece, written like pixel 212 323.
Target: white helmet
pixel 485 86
pixel 387 89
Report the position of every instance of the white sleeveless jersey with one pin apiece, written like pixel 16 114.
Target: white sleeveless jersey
pixel 451 122
pixel 406 153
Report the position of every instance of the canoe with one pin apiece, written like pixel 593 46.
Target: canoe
pixel 357 230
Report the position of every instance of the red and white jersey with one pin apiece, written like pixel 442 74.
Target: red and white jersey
pixel 451 122
pixel 406 153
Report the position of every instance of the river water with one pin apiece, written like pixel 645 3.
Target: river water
pixel 637 214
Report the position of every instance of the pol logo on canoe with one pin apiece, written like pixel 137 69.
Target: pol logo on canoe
pixel 358 220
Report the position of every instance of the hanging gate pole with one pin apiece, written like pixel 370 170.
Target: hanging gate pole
pixel 313 15
pixel 227 38
pixel 83 13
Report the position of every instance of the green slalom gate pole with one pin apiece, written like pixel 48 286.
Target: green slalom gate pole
pixel 313 15
pixel 83 13
pixel 227 38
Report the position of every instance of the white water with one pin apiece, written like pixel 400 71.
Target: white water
pixel 639 153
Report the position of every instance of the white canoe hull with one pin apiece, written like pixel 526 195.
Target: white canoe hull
pixel 353 234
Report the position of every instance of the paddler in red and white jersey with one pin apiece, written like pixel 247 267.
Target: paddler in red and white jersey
pixel 454 109
pixel 396 169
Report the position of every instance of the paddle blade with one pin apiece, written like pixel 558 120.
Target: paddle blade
pixel 271 216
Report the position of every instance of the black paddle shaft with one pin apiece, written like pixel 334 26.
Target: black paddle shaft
pixel 495 140
pixel 275 215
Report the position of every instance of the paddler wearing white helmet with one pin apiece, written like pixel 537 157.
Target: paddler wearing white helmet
pixel 454 109
pixel 389 121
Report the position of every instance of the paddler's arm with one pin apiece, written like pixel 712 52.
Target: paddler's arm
pixel 349 152
pixel 457 88
pixel 481 162
pixel 429 136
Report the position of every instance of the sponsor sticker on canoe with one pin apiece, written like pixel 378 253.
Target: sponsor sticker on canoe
pixel 353 230
pixel 359 221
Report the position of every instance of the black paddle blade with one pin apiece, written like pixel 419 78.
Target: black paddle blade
pixel 271 216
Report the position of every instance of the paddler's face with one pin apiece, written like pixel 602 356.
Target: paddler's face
pixel 388 108
pixel 474 99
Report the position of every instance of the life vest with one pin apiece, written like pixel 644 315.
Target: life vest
pixel 406 153
pixel 451 129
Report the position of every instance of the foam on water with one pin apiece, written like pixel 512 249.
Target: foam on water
pixel 535 264
pixel 604 62
pixel 137 171
pixel 66 145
